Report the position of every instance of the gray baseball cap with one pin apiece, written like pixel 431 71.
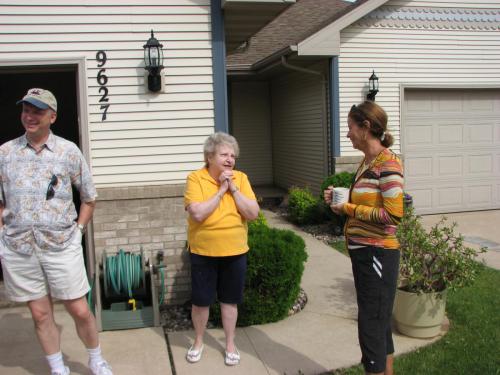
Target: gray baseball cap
pixel 40 98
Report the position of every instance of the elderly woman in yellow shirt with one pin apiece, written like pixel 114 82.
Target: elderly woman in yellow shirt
pixel 219 201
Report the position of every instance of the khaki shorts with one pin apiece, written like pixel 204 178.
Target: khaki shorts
pixel 58 273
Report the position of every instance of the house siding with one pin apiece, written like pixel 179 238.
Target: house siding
pixel 251 125
pixel 299 130
pixel 142 152
pixel 146 138
pixel 421 43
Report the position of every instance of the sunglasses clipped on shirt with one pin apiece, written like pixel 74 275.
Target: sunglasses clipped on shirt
pixel 50 189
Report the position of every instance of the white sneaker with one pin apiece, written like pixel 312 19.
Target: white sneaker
pixel 100 368
pixel 66 371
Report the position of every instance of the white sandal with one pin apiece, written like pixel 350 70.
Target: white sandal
pixel 232 359
pixel 194 355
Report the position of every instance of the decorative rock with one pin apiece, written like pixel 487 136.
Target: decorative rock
pixel 178 317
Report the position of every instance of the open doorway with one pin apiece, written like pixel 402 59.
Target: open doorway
pixel 61 80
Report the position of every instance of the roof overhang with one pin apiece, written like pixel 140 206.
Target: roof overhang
pixel 326 42
pixel 243 18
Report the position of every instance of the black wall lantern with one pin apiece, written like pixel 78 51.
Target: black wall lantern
pixel 373 87
pixel 153 60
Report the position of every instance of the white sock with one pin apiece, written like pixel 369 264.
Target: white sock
pixel 56 362
pixel 95 355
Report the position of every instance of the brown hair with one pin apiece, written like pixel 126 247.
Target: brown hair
pixel 376 116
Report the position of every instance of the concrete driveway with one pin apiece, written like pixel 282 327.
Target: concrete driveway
pixel 479 228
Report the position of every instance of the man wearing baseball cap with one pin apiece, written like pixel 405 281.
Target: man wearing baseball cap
pixel 41 232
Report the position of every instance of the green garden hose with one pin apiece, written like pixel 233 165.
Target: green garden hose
pixel 124 272
pixel 162 284
pixel 90 302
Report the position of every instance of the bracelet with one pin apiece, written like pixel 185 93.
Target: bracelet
pixel 235 190
pixel 81 227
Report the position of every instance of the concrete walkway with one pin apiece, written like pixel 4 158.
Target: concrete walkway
pixel 131 352
pixel 320 338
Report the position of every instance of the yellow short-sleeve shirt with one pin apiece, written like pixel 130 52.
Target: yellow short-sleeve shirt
pixel 225 231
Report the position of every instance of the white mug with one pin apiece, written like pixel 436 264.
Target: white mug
pixel 340 195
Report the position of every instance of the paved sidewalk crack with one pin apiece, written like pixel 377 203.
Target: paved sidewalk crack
pixel 256 352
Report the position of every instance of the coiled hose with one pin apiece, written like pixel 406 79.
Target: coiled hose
pixel 124 272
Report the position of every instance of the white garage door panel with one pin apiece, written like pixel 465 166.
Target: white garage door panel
pixel 480 163
pixel 480 194
pixel 451 149
pixel 452 134
pixel 450 165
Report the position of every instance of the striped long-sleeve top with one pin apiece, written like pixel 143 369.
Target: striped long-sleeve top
pixel 375 205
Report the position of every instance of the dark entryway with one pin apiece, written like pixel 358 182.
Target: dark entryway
pixel 61 81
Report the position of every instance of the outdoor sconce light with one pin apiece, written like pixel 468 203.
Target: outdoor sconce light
pixel 373 87
pixel 153 60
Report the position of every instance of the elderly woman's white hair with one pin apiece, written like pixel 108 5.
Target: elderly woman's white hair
pixel 217 139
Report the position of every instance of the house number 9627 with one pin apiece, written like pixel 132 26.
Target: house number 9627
pixel 102 80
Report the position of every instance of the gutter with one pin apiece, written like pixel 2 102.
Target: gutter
pixel 261 65
pixel 287 65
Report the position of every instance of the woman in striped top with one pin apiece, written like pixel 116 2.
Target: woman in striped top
pixel 374 209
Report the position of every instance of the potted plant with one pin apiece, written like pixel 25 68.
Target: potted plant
pixel 431 264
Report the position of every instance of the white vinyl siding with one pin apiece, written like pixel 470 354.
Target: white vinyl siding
pixel 251 125
pixel 451 146
pixel 147 138
pixel 418 56
pixel 299 131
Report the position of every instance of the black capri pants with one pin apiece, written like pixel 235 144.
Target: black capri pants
pixel 217 277
pixel 375 272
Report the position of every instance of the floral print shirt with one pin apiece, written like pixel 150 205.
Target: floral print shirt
pixel 30 219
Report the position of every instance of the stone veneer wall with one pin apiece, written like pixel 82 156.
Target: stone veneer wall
pixel 347 163
pixel 148 217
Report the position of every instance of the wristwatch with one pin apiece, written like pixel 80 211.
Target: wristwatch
pixel 234 190
pixel 81 227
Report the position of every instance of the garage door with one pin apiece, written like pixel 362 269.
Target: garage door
pixel 451 149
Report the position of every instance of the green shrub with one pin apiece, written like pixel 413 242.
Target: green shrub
pixel 260 221
pixel 303 207
pixel 435 260
pixel 342 179
pixel 275 267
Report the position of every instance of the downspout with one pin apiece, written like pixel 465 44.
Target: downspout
pixel 334 111
pixel 285 63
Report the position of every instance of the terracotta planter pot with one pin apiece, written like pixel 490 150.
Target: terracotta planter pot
pixel 419 315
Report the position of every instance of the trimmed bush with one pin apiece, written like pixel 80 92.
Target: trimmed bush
pixel 275 267
pixel 303 207
pixel 260 221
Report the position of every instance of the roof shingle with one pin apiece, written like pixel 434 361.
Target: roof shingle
pixel 292 26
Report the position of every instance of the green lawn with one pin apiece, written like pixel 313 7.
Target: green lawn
pixel 472 346
pixel 339 245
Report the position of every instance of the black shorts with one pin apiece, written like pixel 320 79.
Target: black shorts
pixel 221 277
pixel 375 272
